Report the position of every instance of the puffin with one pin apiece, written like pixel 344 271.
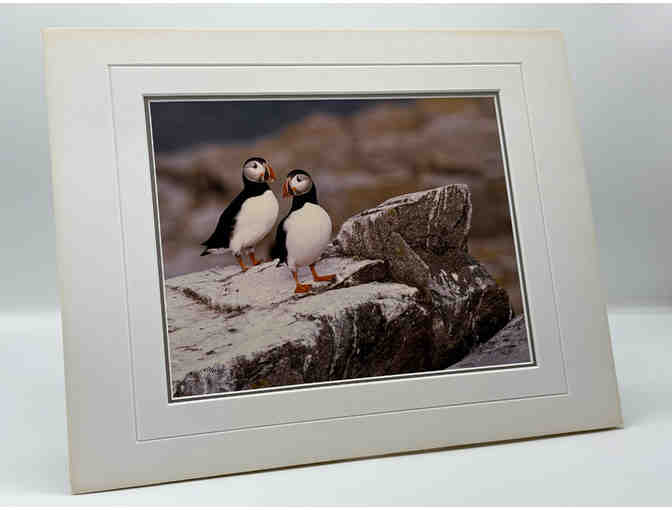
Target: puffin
pixel 249 217
pixel 305 232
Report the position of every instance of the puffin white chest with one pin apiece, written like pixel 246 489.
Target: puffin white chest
pixel 254 221
pixel 308 233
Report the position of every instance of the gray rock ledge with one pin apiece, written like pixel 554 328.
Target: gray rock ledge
pixel 408 298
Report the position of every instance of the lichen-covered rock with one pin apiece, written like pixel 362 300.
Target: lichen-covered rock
pixel 436 220
pixel 366 330
pixel 423 237
pixel 508 346
pixel 468 306
pixel 228 290
pixel 407 298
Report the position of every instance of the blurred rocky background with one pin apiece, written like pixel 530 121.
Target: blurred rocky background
pixel 360 153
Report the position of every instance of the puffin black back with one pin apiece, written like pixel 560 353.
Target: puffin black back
pixel 221 237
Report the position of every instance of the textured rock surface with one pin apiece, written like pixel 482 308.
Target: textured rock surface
pixel 435 220
pixel 423 237
pixel 227 289
pixel 510 345
pixel 341 333
pixel 407 298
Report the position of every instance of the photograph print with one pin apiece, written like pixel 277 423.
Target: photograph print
pixel 333 240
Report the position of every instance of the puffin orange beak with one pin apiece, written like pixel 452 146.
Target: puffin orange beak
pixel 285 189
pixel 271 173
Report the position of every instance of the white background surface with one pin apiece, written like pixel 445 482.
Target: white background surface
pixel 616 467
pixel 618 56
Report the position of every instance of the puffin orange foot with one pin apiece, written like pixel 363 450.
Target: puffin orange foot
pixel 318 278
pixel 254 260
pixel 302 288
pixel 325 278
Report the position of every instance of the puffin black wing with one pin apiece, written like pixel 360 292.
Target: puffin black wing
pixel 279 250
pixel 221 237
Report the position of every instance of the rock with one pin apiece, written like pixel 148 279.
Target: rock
pixel 229 290
pixel 423 237
pixel 508 346
pixel 367 330
pixel 436 220
pixel 407 298
pixel 468 306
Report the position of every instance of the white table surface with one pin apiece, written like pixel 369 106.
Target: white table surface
pixel 616 467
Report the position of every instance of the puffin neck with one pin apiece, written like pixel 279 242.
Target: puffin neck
pixel 299 201
pixel 255 188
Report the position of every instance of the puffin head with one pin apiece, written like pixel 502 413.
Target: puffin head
pixel 297 183
pixel 258 170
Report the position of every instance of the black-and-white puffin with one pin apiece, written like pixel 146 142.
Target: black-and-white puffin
pixel 305 232
pixel 250 217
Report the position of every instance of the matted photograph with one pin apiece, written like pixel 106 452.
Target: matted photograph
pixel 317 241
pixel 300 235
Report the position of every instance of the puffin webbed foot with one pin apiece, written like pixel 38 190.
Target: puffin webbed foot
pixel 318 278
pixel 254 260
pixel 302 288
